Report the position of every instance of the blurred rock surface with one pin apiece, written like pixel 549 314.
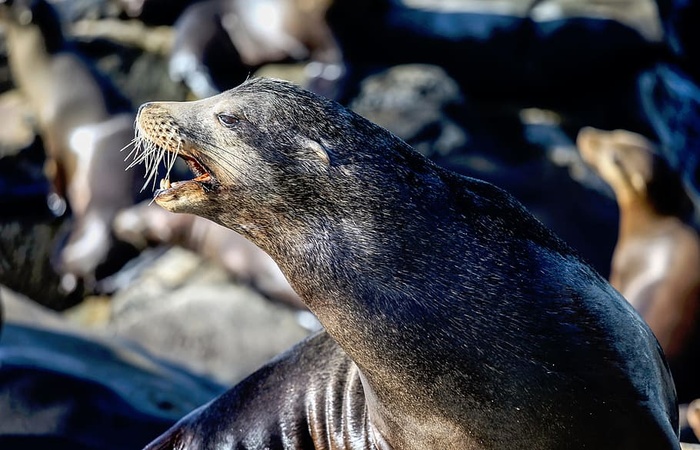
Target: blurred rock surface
pixel 61 386
pixel 191 312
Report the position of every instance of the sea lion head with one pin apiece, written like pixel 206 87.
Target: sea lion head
pixel 26 12
pixel 262 154
pixel 622 158
pixel 34 15
pixel 15 11
pixel 633 167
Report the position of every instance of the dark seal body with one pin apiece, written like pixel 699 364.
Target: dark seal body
pixel 454 319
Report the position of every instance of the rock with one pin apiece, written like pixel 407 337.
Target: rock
pixel 414 101
pixel 671 103
pixel 65 388
pixel 147 224
pixel 680 18
pixel 27 245
pixel 188 311
pixel 552 54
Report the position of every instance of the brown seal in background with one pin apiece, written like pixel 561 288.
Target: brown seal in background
pixel 453 319
pixel 83 122
pixel 656 262
pixel 218 43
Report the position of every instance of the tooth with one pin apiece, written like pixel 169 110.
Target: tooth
pixel 165 183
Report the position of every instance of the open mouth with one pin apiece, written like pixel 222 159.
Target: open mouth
pixel 202 176
pixel 154 152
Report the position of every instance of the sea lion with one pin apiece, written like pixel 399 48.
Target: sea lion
pixel 693 416
pixel 218 43
pixel 155 12
pixel 453 318
pixel 83 122
pixel 656 261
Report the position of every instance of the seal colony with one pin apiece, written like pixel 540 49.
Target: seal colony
pixel 83 121
pixel 453 318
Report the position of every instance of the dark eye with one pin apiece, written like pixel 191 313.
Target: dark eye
pixel 228 120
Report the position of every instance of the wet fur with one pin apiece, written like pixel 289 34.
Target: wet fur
pixel 471 325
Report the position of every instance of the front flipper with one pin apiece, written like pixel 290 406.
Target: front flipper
pixel 310 397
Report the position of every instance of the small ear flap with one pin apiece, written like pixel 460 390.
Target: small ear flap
pixel 319 150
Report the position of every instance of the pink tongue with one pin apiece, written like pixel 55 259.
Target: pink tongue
pixel 204 177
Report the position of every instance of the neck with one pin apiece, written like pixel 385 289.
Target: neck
pixel 636 214
pixel 369 268
pixel 346 271
pixel 362 280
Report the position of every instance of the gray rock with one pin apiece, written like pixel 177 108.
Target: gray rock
pixel 189 311
pixel 61 387
pixel 413 101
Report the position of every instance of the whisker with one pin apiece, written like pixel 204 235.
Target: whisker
pixel 142 157
pixel 132 142
pixel 145 151
pixel 149 154
pixel 139 158
pixel 231 168
pixel 154 163
pixel 173 155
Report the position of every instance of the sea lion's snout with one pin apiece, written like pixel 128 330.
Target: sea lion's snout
pixel 588 141
pixel 159 139
pixel 622 158
pixel 159 126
